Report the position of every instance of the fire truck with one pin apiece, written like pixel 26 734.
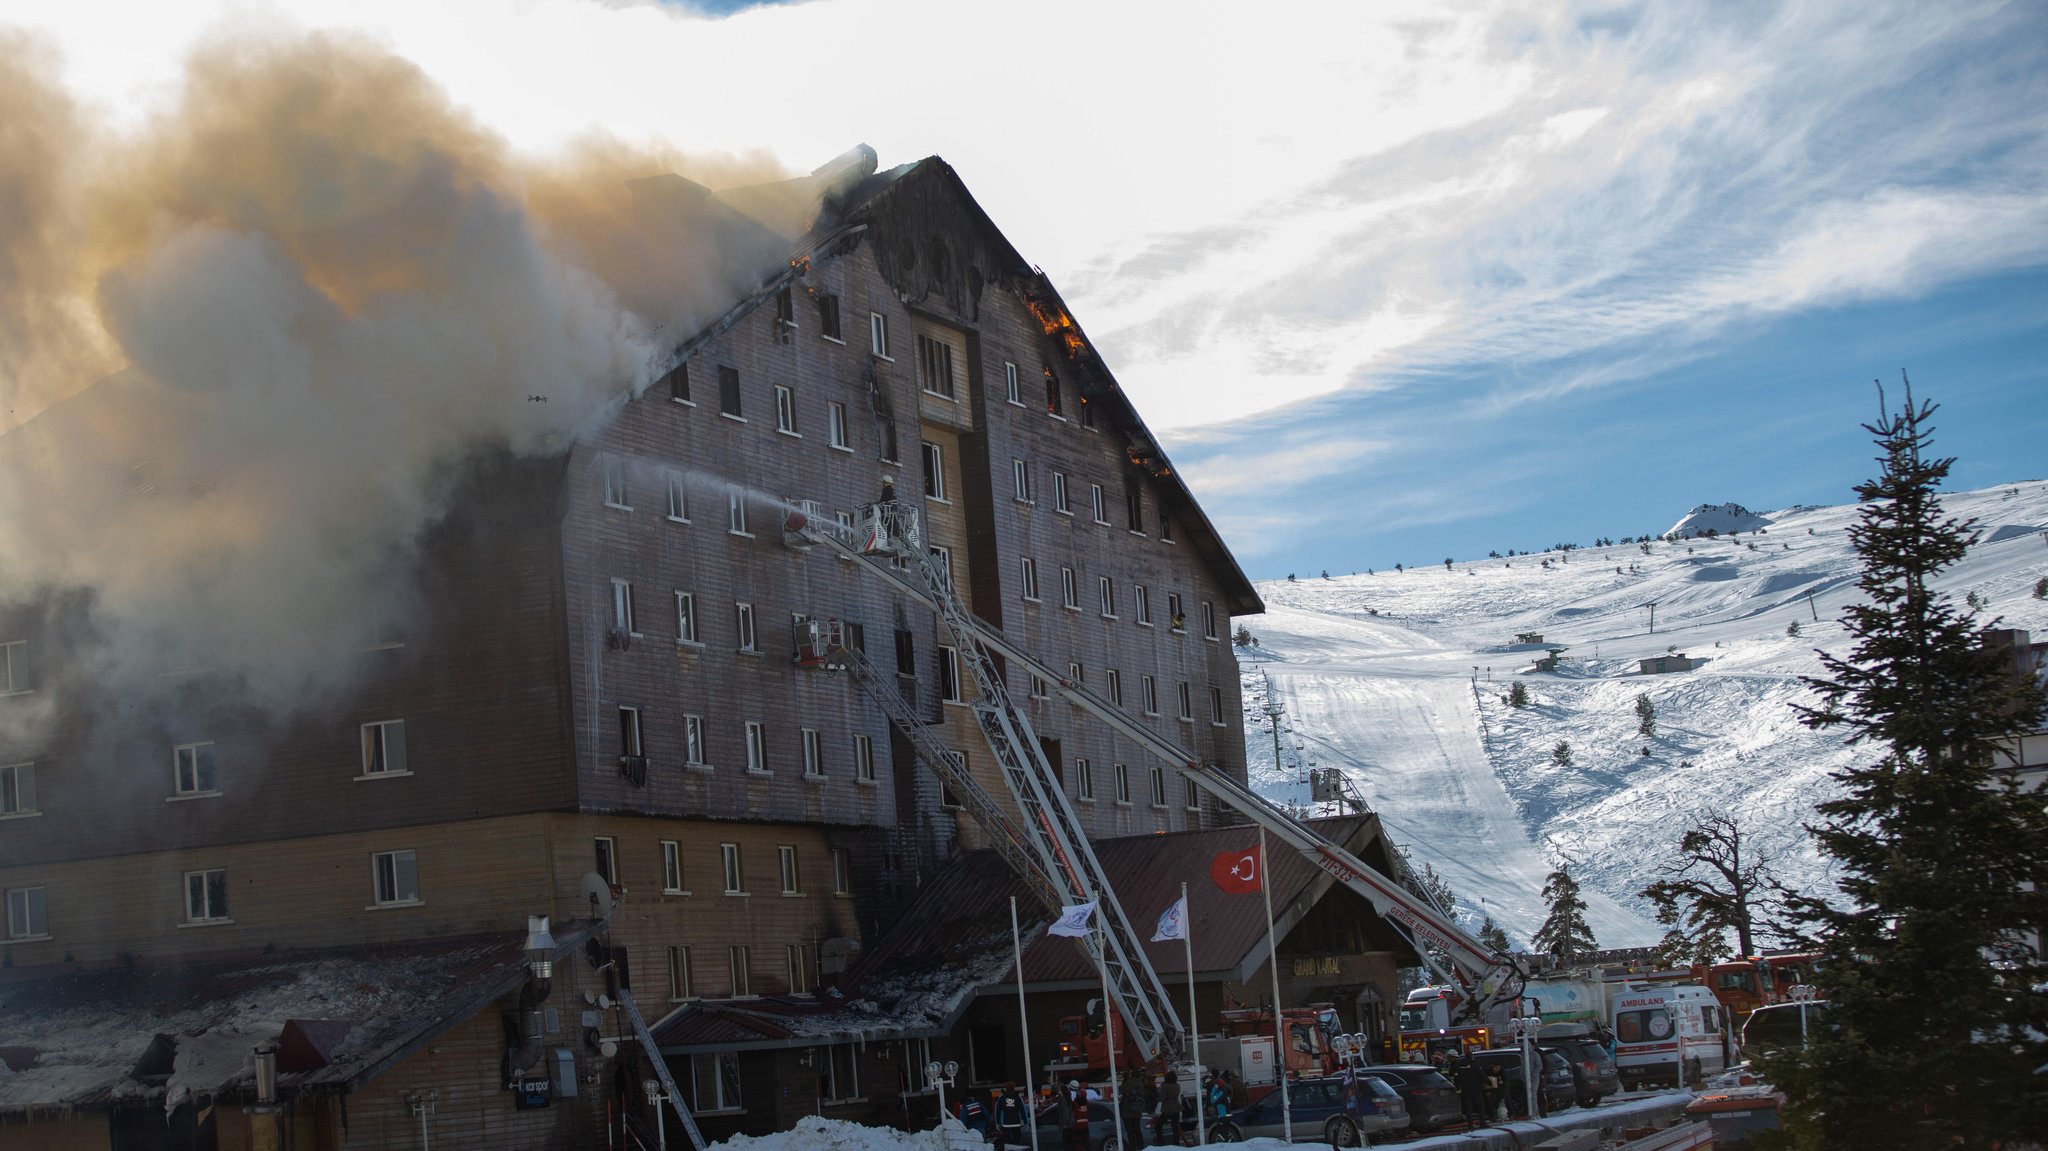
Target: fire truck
pixel 1429 1026
pixel 1743 985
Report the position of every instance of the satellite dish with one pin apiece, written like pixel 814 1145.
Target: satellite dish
pixel 608 1048
pixel 597 895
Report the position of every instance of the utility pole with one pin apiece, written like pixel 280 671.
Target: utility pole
pixel 1652 605
pixel 1810 607
pixel 1273 712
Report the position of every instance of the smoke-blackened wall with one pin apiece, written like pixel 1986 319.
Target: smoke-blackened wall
pixel 247 350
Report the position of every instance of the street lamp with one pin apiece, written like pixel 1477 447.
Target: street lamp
pixel 1525 1028
pixel 942 1076
pixel 540 949
pixel 655 1098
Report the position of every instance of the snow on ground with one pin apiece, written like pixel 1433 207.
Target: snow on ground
pixel 1400 678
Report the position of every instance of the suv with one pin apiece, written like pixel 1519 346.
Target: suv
pixel 1555 1089
pixel 1319 1114
pixel 1594 1075
pixel 1432 1101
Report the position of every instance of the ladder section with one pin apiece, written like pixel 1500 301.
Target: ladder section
pixel 660 1065
pixel 1485 976
pixel 888 542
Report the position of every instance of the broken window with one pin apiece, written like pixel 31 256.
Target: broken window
pixel 828 317
pixel 729 391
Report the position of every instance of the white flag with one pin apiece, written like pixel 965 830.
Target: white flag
pixel 1173 922
pixel 1073 921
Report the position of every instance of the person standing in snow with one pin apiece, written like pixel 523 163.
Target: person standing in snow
pixel 1074 1117
pixel 1472 1090
pixel 974 1115
pixel 1167 1124
pixel 1010 1115
pixel 1130 1111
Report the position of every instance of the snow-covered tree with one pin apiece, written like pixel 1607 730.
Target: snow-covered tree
pixel 1716 887
pixel 1565 933
pixel 1938 992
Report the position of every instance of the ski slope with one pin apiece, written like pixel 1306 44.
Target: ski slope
pixel 1411 701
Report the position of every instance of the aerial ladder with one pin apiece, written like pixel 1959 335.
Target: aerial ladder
pixel 1041 836
pixel 888 530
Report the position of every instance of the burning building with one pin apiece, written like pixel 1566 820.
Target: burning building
pixel 576 690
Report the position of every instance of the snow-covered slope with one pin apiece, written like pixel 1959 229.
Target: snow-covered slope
pixel 1401 679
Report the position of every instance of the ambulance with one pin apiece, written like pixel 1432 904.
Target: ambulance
pixel 1667 1033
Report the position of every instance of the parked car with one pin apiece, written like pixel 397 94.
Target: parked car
pixel 1556 1089
pixel 1432 1100
pixel 1781 1025
pixel 1103 1133
pixel 1594 1075
pixel 1319 1114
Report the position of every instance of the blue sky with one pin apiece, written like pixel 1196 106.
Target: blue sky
pixel 1393 281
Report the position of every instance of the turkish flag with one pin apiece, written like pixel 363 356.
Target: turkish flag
pixel 1238 871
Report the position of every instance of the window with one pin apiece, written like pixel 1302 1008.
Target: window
pixel 878 334
pixel 842 871
pixel 686 617
pixel 736 512
pixel 835 420
pixel 1052 394
pixel 739 961
pixel 797 971
pixel 1020 479
pixel 1165 530
pixel 206 896
pixel 396 877
pixel 735 881
pixel 828 317
pixel 678 973
pixel 785 309
pixel 715 1082
pixel 1123 784
pixel 615 484
pixel 1143 599
pixel 1158 786
pixel 949 674
pixel 678 382
pixel 945 564
pixel 934 471
pixel 1101 509
pixel 384 748
pixel 1150 688
pixel 605 851
pixel 18 789
pixel 743 626
pixel 1070 592
pixel 946 797
pixel 785 410
pixel 729 392
pixel 888 430
pixel 14 675
pixel 1010 391
pixel 622 607
pixel 785 859
pixel 1193 800
pixel 1216 706
pixel 1087 414
pixel 629 732
pixel 27 917
pixel 1116 687
pixel 842 1076
pixel 1187 705
pixel 193 764
pixel 757 748
pixel 1084 780
pixel 935 366
pixel 678 498
pixel 906 653
pixel 1174 615
pixel 1075 674
pixel 1208 620
pixel 693 740
pixel 1038 689
pixel 1107 590
pixel 814 753
pixel 1027 577
pixel 1134 507
pixel 672 867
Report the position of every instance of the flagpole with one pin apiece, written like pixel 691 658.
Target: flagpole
pixel 1187 938
pixel 1273 962
pixel 1024 1030
pixel 1109 1035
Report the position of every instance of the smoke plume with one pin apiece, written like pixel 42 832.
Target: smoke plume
pixel 244 349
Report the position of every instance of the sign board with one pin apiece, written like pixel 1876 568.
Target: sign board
pixel 1255 1060
pixel 529 1093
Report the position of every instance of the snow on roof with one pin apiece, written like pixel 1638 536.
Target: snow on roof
pixel 98 1037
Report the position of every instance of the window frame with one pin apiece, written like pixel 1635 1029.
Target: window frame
pixel 814 753
pixel 796 971
pixel 14 668
pixel 1084 780
pixel 1150 688
pixel 746 633
pixel 739 960
pixel 1122 774
pixel 1215 706
pixel 863 757
pixel 838 436
pixel 678 381
pixel 1027 577
pixel 1208 620
pixel 736 514
pixel 672 868
pixel 1106 592
pixel 1176 612
pixel 935 367
pixel 383 748
pixel 734 868
pixel 842 871
pixel 617 494
pixel 756 736
pixel 878 336
pixel 1020 480
pixel 1070 589
pixel 678 496
pixel 730 401
pixel 686 618
pixel 933 456
pixel 950 688
pixel 31 921
pixel 1187 702
pixel 624 618
pixel 828 318
pixel 1012 391
pixel 604 851
pixel 1142 597
pixel 785 411
pixel 788 869
pixel 632 737
pixel 202 787
pixel 395 897
pixel 213 914
pixel 1158 786
pixel 1097 504
pixel 1059 494
pixel 1193 800
pixel 693 742
pixel 17 800
pixel 1115 686
pixel 679 973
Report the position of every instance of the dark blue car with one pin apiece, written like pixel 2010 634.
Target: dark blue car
pixel 1319 1112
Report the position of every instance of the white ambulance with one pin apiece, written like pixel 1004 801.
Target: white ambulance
pixel 1666 1033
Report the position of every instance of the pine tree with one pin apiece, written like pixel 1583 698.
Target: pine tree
pixel 1938 1014
pixel 1646 717
pixel 1718 886
pixel 1494 935
pixel 1561 755
pixel 1518 695
pixel 1565 934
